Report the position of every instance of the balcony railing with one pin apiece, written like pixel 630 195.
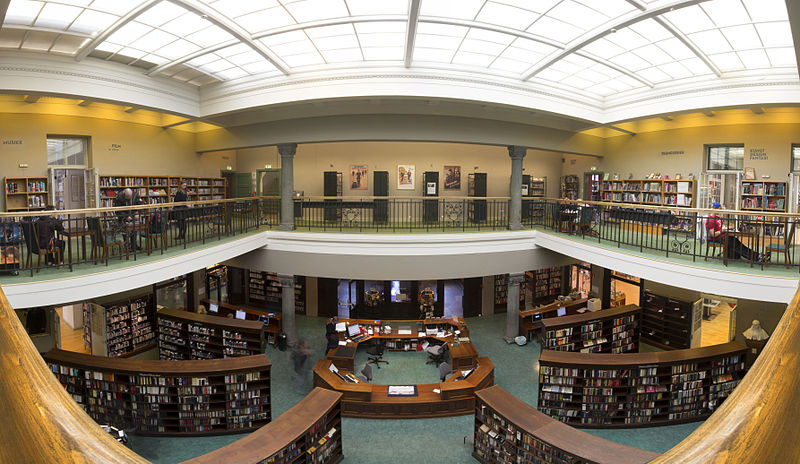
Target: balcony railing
pixel 756 239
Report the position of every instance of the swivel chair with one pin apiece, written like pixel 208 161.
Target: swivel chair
pixel 436 353
pixel 444 371
pixel 376 352
pixel 367 373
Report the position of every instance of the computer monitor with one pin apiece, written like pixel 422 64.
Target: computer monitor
pixel 353 330
pixel 562 311
pixel 241 315
pixel 213 307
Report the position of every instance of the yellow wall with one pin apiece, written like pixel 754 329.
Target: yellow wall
pixel 143 149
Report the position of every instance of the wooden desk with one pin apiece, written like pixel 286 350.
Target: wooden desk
pixel 527 325
pixel 366 400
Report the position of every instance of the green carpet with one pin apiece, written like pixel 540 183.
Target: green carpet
pixel 419 440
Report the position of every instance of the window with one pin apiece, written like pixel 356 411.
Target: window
pixel 795 157
pixel 726 158
pixel 67 151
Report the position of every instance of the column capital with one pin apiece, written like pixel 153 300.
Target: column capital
pixel 517 151
pixel 286 280
pixel 516 278
pixel 287 149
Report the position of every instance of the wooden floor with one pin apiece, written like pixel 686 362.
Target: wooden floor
pixel 715 329
pixel 71 340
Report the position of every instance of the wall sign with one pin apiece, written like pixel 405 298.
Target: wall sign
pixel 758 154
pixel 115 147
pixel 12 142
pixel 672 153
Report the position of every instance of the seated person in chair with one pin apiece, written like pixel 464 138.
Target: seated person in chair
pixel 717 232
pixel 128 197
pixel 333 341
pixel 46 227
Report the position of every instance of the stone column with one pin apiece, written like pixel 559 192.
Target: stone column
pixel 287 151
pixel 512 314
pixel 516 153
pixel 287 307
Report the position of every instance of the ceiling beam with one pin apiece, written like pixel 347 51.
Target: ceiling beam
pixel 757 110
pixel 3 8
pixel 793 8
pixel 85 103
pixel 32 98
pixel 709 113
pixel 619 129
pixel 667 118
pixel 130 109
pixel 229 26
pixel 84 51
pixel 20 27
pixel 603 30
pixel 411 32
pixel 179 123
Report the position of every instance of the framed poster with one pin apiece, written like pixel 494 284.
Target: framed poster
pixel 358 177
pixel 405 177
pixel 749 173
pixel 452 177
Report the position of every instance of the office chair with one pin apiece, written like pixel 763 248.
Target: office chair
pixel 367 373
pixel 444 371
pixel 376 352
pixel 436 353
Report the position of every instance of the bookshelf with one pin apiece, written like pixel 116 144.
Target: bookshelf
pixel 763 196
pixel 614 330
pixel 309 432
pixel 638 389
pixel 121 328
pixel 271 321
pixel 570 187
pixel 183 335
pixel 25 193
pixel 160 189
pixel 509 430
pixel 264 289
pixel 667 322
pixel 654 192
pixel 547 284
pixel 168 397
pixel 501 292
pixel 538 189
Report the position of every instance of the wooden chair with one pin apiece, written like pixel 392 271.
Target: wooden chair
pixel 157 230
pixel 32 243
pixel 105 241
pixel 585 221
pixel 718 246
pixel 788 237
pixel 559 219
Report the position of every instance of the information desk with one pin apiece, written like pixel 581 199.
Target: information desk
pixel 461 355
pixel 272 329
pixel 366 400
pixel 638 389
pixel 311 428
pixel 206 397
pixel 509 430
pixel 530 320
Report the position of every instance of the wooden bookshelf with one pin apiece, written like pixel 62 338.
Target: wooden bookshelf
pixel 638 389
pixel 654 192
pixel 309 432
pixel 271 320
pixel 26 193
pixel 160 189
pixel 667 322
pixel 613 330
pixel 570 187
pixel 530 320
pixel 509 430
pixel 264 289
pixel 184 335
pixel 121 328
pixel 547 284
pixel 168 397
pixel 763 196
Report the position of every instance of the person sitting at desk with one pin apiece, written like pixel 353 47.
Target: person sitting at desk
pixel 333 341
pixel 735 249
pixel 46 227
pixel 330 327
pixel 128 197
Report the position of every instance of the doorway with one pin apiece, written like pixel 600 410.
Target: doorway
pixel 719 319
pixel 624 289
pixel 719 187
pixel 268 182
pixel 591 185
pixel 581 279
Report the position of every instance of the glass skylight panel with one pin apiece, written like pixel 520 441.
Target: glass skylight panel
pixel 116 7
pixel 554 29
pixel 782 56
pixel 23 12
pixel 654 75
pixel 290 43
pixel 259 67
pixel 383 53
pixel 210 36
pixel 754 59
pixel 160 14
pixel 74 2
pixel 265 20
pixel 232 73
pixel 457 9
pixel 313 10
pixel 676 49
pixel 472 59
pixel 336 42
pixel 742 37
pixel 651 30
pixel 521 55
pixel 178 49
pixel 653 54
pixel 153 40
pixel 56 16
pixel 592 75
pixel 696 66
pixel 676 70
pixel 577 82
pixel 777 34
pixel 391 39
pixel 433 55
pixel 601 90
pixel 506 15
pixel 375 27
pixel 505 64
pixel 214 66
pixel 577 14
pixel 726 12
pixel 342 55
pixel 621 83
pixel 131 52
pixel 373 7
pixel 68 44
pixel 610 8
pixel 627 38
pixel 108 47
pixel 603 48
pixel 303 59
pixel 482 47
pixel 550 74
pixel 766 10
pixel 711 42
pixel 690 19
pixel 186 24
pixel 155 59
pixel 129 33
pixel 92 22
pixel 234 50
pixel 236 8
pixel 630 61
pixel 437 41
pixel 727 61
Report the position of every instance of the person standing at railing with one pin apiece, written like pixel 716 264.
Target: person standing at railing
pixel 129 219
pixel 181 195
pixel 734 248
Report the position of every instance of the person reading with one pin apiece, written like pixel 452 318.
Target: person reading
pixel 734 248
